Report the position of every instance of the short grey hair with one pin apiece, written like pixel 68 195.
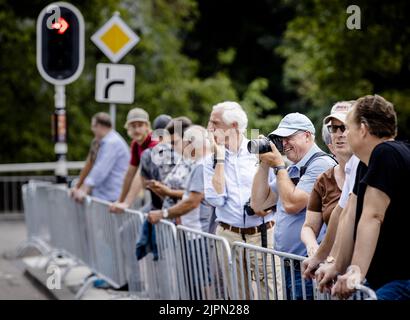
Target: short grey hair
pixel 232 112
pixel 197 135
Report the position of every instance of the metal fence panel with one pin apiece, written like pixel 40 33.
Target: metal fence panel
pixel 104 242
pixel 286 277
pixel 67 218
pixel 130 232
pixel 161 275
pixel 266 274
pixel 35 197
pixel 204 265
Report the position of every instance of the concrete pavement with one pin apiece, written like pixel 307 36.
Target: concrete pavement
pixel 14 282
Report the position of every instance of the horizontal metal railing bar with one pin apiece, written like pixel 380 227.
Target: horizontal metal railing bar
pixel 267 250
pixel 211 236
pixel 39 166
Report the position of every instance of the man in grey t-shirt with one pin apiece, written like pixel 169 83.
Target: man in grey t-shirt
pixel 200 217
pixel 194 211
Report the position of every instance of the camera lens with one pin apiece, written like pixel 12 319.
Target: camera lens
pixel 259 146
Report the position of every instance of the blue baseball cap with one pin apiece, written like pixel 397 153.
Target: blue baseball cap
pixel 294 122
pixel 161 121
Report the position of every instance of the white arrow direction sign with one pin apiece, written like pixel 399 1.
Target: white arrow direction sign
pixel 115 83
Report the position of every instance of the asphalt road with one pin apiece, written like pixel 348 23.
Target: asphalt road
pixel 14 283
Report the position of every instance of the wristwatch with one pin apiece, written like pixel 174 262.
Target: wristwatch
pixel 276 169
pixel 330 259
pixel 165 213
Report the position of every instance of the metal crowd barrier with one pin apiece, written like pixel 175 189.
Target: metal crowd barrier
pixel 35 202
pixel 191 264
pixel 86 232
pixel 204 265
pixel 134 269
pixel 106 255
pixel 278 276
pixel 260 273
pixel 161 275
pixel 67 221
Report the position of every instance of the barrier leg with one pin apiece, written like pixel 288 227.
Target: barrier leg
pixel 87 284
pixel 68 269
pixel 32 243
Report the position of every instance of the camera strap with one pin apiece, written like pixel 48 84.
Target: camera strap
pixel 264 234
pixel 244 223
pixel 316 155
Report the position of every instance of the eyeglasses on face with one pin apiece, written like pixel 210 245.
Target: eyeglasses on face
pixel 333 128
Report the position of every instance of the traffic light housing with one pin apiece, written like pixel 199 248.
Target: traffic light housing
pixel 60 43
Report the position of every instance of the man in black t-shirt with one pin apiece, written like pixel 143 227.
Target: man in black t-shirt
pixel 382 220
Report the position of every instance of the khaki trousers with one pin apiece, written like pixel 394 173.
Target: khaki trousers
pixel 241 264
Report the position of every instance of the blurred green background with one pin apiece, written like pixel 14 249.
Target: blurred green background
pixel 274 57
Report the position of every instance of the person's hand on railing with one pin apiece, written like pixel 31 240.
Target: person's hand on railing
pixel 309 266
pixel 78 195
pixel 155 216
pixel 72 191
pixel 347 284
pixel 325 276
pixel 118 207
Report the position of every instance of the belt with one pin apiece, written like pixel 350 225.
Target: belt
pixel 249 231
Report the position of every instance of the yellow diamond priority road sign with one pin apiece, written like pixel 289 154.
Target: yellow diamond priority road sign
pixel 115 38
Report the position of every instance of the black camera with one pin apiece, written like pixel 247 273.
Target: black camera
pixel 260 146
pixel 248 209
pixel 250 212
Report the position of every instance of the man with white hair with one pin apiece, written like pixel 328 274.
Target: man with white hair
pixel 228 176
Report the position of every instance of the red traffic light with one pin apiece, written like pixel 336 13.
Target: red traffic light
pixel 60 43
pixel 61 25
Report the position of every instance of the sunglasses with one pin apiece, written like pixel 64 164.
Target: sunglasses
pixel 333 128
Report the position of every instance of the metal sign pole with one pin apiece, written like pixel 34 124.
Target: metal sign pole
pixel 113 112
pixel 60 134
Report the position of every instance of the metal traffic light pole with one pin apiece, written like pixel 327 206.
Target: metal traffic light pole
pixel 60 61
pixel 60 134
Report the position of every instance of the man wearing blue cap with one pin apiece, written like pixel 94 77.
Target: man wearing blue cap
pixel 289 188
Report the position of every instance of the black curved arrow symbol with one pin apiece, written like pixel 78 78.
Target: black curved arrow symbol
pixel 110 84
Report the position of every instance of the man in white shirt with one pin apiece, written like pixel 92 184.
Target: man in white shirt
pixel 228 176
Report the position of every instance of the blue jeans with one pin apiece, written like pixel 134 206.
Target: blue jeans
pixel 395 290
pixel 298 284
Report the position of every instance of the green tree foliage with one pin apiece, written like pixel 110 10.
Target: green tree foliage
pixel 166 79
pixel 327 62
pixel 273 56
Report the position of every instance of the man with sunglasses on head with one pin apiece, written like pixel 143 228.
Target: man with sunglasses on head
pixel 321 264
pixel 289 188
pixel 328 186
